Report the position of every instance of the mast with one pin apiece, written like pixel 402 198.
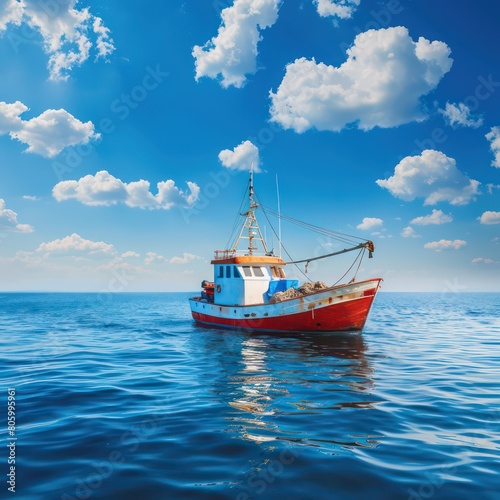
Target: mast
pixel 251 216
pixel 279 215
pixel 250 224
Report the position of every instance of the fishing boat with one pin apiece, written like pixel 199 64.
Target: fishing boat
pixel 250 291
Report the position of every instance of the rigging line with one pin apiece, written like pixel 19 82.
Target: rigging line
pixel 288 254
pixel 352 265
pixel 359 265
pixel 312 227
pixel 326 232
pixel 331 235
pixel 358 247
pixel 232 235
pixel 282 246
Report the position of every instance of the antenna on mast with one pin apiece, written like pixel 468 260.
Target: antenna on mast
pixel 279 214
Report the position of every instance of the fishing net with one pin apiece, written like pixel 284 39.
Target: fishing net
pixel 292 293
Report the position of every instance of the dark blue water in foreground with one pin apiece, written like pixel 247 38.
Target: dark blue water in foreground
pixel 123 397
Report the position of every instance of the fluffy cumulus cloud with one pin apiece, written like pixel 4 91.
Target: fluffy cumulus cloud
pixel 370 223
pixel 436 217
pixel 343 9
pixel 233 52
pixel 409 232
pixel 460 115
pixel 433 176
pixel 103 189
pixel 185 259
pixel 9 222
pixel 47 134
pixel 68 32
pixel 494 137
pixel 380 84
pixel 242 157
pixel 445 245
pixel 75 243
pixel 490 218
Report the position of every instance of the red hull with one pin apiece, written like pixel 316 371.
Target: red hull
pixel 345 316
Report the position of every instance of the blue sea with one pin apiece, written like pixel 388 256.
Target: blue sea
pixel 124 397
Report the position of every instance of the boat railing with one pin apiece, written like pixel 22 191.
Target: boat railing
pixel 225 254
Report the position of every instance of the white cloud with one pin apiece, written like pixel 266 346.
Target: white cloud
pixel 30 198
pixel 380 84
pixel 490 187
pixel 185 259
pixel 481 260
pixel 436 217
pixel 233 52
pixel 129 254
pixel 460 114
pixel 47 134
pixel 432 176
pixel 103 189
pixel 66 32
pixel 9 222
pixel 490 218
pixel 11 11
pixel 494 137
pixel 54 130
pixel 154 258
pixel 343 9
pixel 445 245
pixel 76 243
pixel 409 232
pixel 242 157
pixel 104 43
pixel 9 116
pixel 370 223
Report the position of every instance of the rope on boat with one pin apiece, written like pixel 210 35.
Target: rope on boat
pixel 368 245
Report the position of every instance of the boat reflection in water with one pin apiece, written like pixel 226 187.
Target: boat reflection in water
pixel 292 389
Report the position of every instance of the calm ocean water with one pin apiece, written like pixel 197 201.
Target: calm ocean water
pixel 123 397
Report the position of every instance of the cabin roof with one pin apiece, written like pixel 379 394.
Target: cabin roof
pixel 250 259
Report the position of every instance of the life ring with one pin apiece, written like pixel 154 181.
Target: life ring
pixel 219 288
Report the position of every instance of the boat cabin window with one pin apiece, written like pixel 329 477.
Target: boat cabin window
pixel 236 273
pixel 228 271
pixel 247 271
pixel 221 271
pixel 258 271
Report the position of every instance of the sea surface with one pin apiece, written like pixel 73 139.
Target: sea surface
pixel 122 396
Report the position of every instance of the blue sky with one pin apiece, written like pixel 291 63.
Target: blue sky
pixel 127 130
